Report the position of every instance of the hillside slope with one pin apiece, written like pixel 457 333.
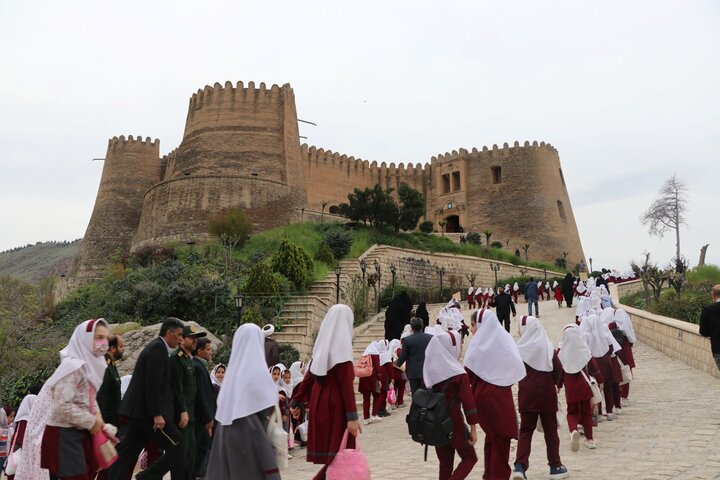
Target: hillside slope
pixel 33 262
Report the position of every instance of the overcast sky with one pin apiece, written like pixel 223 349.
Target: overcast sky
pixel 628 92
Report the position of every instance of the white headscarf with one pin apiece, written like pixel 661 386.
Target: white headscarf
pixel 433 329
pixel 606 316
pixel 394 345
pixel 282 384
pixel 478 291
pixel 624 323
pixel 79 354
pixel 490 292
pixel 124 384
pixel 334 340
pixel 29 468
pixel 406 331
pixel 574 353
pixel 247 387
pixel 534 345
pixel 444 350
pixel 583 307
pixel 516 287
pixel 591 283
pixel 555 284
pixel 384 349
pixel 452 320
pixel 296 373
pixel 213 375
pixel 595 337
pixel 372 349
pixel 507 288
pixel 470 290
pixel 580 289
pixel 23 411
pixel 492 354
pixel 547 285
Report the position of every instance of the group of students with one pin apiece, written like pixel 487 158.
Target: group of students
pixel 482 298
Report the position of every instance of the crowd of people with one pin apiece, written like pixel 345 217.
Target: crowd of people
pixel 176 414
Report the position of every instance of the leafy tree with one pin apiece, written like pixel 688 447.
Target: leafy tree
pixel 474 237
pixel 358 207
pixel 339 240
pixel 496 244
pixel 232 226
pixel 325 255
pixel 651 275
pixel 293 262
pixel 426 226
pixel 261 281
pixel 561 263
pixel 412 207
pixel 488 234
pixel 668 211
pixel 677 271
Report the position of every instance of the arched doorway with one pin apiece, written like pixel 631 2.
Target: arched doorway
pixel 334 209
pixel 453 224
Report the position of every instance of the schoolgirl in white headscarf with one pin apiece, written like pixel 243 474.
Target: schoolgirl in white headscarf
pixel 624 323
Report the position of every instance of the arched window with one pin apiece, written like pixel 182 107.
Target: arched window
pixel 561 211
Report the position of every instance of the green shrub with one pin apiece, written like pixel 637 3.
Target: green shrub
pixel 704 277
pixel 356 295
pixel 293 262
pixel 152 254
pixel 496 244
pixel 686 306
pixel 339 240
pixel 325 255
pixel 252 315
pixel 232 226
pixel 288 354
pixel 474 238
pixel 427 226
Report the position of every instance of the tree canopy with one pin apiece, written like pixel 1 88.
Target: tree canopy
pixel 668 211
pixel 378 207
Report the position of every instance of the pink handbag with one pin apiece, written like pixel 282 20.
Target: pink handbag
pixel 349 464
pixel 103 448
pixel 391 396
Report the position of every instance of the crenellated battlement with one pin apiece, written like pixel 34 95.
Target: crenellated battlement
pixel 330 158
pixel 230 94
pixel 122 141
pixel 476 153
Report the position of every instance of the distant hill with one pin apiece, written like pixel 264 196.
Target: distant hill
pixel 33 262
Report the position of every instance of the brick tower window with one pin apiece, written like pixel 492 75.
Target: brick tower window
pixel 561 210
pixel 446 183
pixel 456 181
pixel 497 174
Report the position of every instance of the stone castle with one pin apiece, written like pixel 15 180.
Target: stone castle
pixel 241 148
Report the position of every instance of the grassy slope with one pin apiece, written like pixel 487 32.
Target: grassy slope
pixel 33 262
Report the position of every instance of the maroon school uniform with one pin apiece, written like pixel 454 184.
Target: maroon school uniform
pixel 471 300
pixel 537 398
pixel 458 392
pixel 18 438
pixel 332 405
pixel 370 387
pixel 398 380
pixel 627 357
pixel 577 396
pixel 499 422
pixel 558 294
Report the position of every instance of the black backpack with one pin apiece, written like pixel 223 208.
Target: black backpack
pixel 429 421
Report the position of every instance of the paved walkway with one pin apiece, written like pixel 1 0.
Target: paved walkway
pixel 670 429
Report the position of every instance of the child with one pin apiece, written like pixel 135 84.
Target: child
pixel 578 364
pixel 537 398
pixel 445 374
pixel 399 378
pixel 622 319
pixel 371 386
pixel 557 293
pixel 471 297
pixel 494 364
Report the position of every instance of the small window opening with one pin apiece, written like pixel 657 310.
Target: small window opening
pixel 562 177
pixel 497 174
pixel 561 210
pixel 456 181
pixel 446 183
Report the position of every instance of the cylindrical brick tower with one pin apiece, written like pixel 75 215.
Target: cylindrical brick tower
pixel 240 148
pixel 131 167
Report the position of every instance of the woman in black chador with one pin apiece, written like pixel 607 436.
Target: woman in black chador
pixel 397 315
pixel 567 289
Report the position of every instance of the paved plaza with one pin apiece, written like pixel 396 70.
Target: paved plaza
pixel 669 430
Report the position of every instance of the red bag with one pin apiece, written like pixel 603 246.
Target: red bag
pixel 103 448
pixel 364 367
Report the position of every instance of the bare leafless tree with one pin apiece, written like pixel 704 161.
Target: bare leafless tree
pixel 703 252
pixel 668 211
pixel 652 276
pixel 471 278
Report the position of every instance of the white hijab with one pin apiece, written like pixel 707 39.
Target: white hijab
pixel 606 316
pixel 597 336
pixel 534 345
pixel 213 375
pixel 581 288
pixel 296 373
pixel 470 290
pixel 334 340
pixel 79 354
pixel 23 412
pixel 507 288
pixel 492 354
pixel 394 345
pixel 124 384
pixel 624 323
pixel 555 284
pixel 384 349
pixel 406 331
pixel 583 307
pixel 444 350
pixel 478 291
pixel 372 349
pixel 247 387
pixel 574 353
pixel 516 287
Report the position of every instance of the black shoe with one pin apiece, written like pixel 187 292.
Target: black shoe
pixel 384 413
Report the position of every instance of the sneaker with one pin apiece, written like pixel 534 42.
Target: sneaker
pixel 384 413
pixel 610 416
pixel 617 411
pixel 557 473
pixel 367 421
pixel 624 402
pixel 518 473
pixel 589 443
pixel 600 419
pixel 289 456
pixel 375 419
pixel 575 441
pixel 581 430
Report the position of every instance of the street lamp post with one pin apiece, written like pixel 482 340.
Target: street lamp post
pixel 239 306
pixel 363 267
pixel 523 271
pixel 376 264
pixel 337 283
pixel 393 271
pixel 495 267
pixel 441 271
pixel 590 264
pixel 545 273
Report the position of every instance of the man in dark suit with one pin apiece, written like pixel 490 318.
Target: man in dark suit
pixel 148 406
pixel 503 306
pixel 205 405
pixel 413 351
pixel 710 324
